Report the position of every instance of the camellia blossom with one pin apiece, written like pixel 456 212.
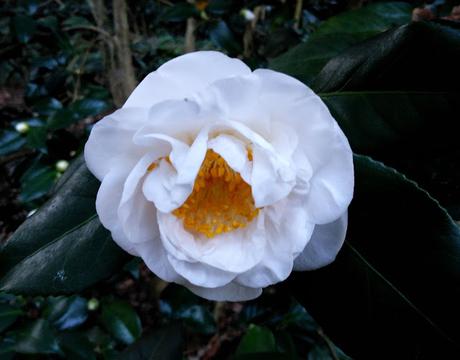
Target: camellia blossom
pixel 222 179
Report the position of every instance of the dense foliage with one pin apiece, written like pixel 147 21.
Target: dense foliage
pixel 393 85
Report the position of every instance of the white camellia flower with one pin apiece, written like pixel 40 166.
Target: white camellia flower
pixel 222 179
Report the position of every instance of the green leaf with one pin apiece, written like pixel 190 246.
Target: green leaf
pixel 11 141
pixel 89 107
pixel 24 27
pixel 75 21
pixel 179 303
pixel 36 182
pixel 398 103
pixel 62 248
pixel 179 12
pixel 48 106
pixel 257 339
pixel 222 36
pixel 36 138
pixel 61 119
pixel 394 285
pixel 66 312
pixel 122 321
pixel 36 338
pixel 415 57
pixel 338 33
pixel 163 343
pixel 8 315
pixel 76 346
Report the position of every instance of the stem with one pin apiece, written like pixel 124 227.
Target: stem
pixel 298 14
pixel 190 40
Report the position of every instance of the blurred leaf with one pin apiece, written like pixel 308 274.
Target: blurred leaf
pixel 222 36
pixel 257 339
pixel 11 141
pixel 393 284
pixel 36 338
pixel 8 315
pixel 179 12
pixel 66 312
pixel 76 21
pixel 164 343
pixel 122 321
pixel 62 248
pixel 62 118
pixel 36 138
pixel 47 106
pixel 177 302
pixel 88 107
pixel 337 34
pixel 219 7
pixel 36 182
pixel 76 346
pixel 24 28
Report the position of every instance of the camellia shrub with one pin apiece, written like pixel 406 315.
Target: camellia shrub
pixel 330 178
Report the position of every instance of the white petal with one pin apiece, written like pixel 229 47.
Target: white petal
pixel 200 274
pixel 168 186
pixel 324 245
pixel 107 202
pixel 184 75
pixel 180 119
pixel 288 231
pixel 235 153
pixel 234 252
pixel 110 143
pixel 155 257
pixel 230 292
pixel 135 213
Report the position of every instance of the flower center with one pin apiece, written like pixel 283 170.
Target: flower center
pixel 221 201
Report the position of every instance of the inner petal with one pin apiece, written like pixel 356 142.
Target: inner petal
pixel 221 201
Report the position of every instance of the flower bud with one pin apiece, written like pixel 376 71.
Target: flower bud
pixel 22 127
pixel 93 304
pixel 62 165
pixel 247 14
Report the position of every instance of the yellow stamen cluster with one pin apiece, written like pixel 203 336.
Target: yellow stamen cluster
pixel 221 201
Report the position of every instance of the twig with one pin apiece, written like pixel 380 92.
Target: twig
pixel 298 14
pixel 17 155
pixel 106 35
pixel 190 40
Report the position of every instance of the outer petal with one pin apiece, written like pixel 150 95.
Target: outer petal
pixel 184 75
pixel 110 143
pixel 324 245
pixel 288 231
pixel 230 292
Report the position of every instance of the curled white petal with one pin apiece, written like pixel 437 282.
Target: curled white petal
pixel 324 245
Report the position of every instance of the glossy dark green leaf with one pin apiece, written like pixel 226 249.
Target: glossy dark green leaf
pixel 36 182
pixel 66 312
pixel 89 107
pixel 122 321
pixel 415 57
pixel 47 106
pixel 76 21
pixel 257 339
pixel 337 34
pixel 163 343
pixel 36 338
pixel 76 346
pixel 223 37
pixel 63 247
pixel 398 102
pixel 24 27
pixel 394 285
pixel 11 141
pixel 8 315
pixel 62 118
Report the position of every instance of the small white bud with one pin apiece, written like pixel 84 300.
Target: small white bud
pixel 62 165
pixel 93 304
pixel 22 127
pixel 247 14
